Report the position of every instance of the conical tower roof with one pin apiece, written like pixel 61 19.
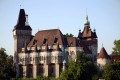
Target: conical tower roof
pixel 103 54
pixel 21 22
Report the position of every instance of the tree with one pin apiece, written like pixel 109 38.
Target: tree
pixel 6 65
pixel 116 49
pixel 112 71
pixel 81 69
pixel 68 35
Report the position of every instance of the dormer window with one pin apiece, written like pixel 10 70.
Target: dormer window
pixel 45 40
pixel 71 43
pixel 55 40
pixel 34 42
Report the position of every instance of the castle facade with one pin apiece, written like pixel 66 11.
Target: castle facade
pixel 47 52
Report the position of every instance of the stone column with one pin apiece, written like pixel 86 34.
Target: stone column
pixel 45 70
pixel 56 70
pixel 34 71
pixel 24 71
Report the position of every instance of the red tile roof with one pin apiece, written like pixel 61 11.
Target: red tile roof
pixel 72 42
pixel 48 36
pixel 115 58
pixel 87 33
pixel 103 54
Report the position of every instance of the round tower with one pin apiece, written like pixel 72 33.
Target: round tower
pixel 103 58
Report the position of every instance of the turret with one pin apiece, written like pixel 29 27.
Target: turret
pixel 103 58
pixel 22 32
pixel 89 37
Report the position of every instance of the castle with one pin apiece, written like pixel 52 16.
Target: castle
pixel 47 52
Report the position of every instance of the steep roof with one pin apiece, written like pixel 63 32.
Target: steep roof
pixel 115 58
pixel 103 54
pixel 87 32
pixel 72 42
pixel 52 36
pixel 21 22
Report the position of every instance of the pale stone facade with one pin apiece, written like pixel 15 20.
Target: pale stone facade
pixel 102 61
pixel 48 51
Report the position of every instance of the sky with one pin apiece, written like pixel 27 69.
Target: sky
pixel 67 15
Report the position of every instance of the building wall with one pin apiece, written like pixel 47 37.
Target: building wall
pixel 102 61
pixel 41 60
pixel 21 38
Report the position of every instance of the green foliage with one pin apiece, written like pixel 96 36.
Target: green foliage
pixel 6 65
pixel 68 35
pixel 82 69
pixel 112 71
pixel 116 49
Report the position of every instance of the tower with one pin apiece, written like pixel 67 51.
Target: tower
pixel 89 38
pixel 103 58
pixel 22 32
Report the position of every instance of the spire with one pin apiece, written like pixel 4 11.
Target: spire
pixel 87 21
pixel 22 20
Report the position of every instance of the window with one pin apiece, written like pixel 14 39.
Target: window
pixel 34 42
pixel 42 58
pixel 30 71
pixel 30 58
pixel 71 43
pixel 72 54
pixel 52 58
pixel 36 59
pixel 55 40
pixel 40 69
pixel 52 70
pixel 45 40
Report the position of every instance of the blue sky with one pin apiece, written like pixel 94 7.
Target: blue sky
pixel 67 15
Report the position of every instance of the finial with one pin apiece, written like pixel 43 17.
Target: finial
pixel 20 6
pixel 86 14
pixel 87 17
pixel 87 21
